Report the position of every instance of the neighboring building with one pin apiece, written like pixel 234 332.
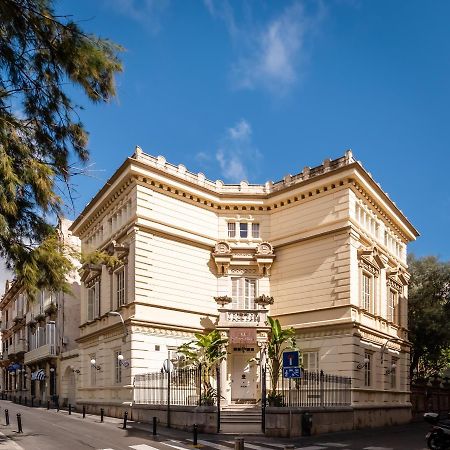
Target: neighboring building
pixel 38 336
pixel 328 244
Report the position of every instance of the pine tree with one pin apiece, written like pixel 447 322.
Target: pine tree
pixel 41 54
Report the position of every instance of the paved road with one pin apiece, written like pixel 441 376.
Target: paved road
pixel 51 430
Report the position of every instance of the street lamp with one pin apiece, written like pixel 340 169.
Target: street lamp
pixel 383 349
pixel 94 365
pixel 392 369
pixel 121 360
pixel 125 331
pixel 363 363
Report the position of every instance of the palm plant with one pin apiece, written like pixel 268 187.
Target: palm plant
pixel 279 340
pixel 205 352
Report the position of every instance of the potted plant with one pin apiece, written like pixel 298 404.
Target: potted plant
pixel 223 300
pixel 51 309
pixel 39 317
pixel 264 300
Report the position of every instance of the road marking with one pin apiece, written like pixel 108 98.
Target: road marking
pixel 214 445
pixel 312 447
pixel 252 446
pixel 11 444
pixel 143 447
pixel 333 444
pixel 378 448
pixel 178 447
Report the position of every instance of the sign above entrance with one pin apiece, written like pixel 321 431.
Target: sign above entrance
pixel 292 372
pixel 290 359
pixel 242 336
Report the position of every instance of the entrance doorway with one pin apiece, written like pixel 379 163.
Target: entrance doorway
pixel 244 377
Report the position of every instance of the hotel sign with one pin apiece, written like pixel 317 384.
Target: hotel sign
pixel 242 336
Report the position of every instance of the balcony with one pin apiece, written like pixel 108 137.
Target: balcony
pixel 244 318
pixel 18 347
pixel 43 352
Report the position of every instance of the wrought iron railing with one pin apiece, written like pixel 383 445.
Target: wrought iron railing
pixel 182 386
pixel 312 389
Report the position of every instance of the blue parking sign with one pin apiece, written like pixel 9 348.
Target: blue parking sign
pixel 290 359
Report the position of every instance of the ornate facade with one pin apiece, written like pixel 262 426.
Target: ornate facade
pixel 328 245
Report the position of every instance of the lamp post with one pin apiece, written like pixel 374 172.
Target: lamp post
pixel 383 348
pixel 94 364
pixel 125 331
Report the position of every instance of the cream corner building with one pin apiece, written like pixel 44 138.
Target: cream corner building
pixel 328 244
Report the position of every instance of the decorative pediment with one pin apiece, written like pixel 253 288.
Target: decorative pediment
pixel 398 277
pixel 224 256
pixel 89 271
pixel 371 259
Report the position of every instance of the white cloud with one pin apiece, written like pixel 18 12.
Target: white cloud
pixel 241 131
pixel 270 55
pixel 146 12
pixel 236 155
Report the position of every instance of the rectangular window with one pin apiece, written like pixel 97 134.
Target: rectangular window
pixel 366 291
pixel 117 368
pixel 393 374
pixel 368 369
pixel 255 230
pixel 120 287
pixel 93 370
pixel 93 301
pixel 243 293
pixel 310 361
pixel 392 298
pixel 231 230
pixel 243 230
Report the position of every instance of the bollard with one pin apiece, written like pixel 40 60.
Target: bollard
pixel 84 412
pixel 70 409
pixel 19 423
pixel 6 417
pixel 20 399
pixel 239 443
pixel 102 413
pixel 48 404
pixel 32 402
pixel 195 429
pixel 14 399
pixel 39 403
pixel 154 426
pixel 125 418
pixel 25 401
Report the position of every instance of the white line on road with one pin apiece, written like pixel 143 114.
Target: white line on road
pixel 143 447
pixel 378 448
pixel 214 445
pixel 178 447
pixel 333 444
pixel 11 444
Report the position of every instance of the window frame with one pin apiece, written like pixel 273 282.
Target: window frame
pixel 393 374
pixel 367 296
pixel 231 230
pixel 93 301
pixel 256 226
pixel 368 369
pixel 120 291
pixel 392 305
pixel 117 367
pixel 306 360
pixel 243 229
pixel 241 295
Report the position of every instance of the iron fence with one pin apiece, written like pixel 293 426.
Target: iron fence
pixel 180 386
pixel 313 389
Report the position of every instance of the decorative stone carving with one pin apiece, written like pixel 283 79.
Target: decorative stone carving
pixel 222 247
pixel 265 248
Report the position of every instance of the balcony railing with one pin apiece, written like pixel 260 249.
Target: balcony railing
pixel 230 317
pixel 46 351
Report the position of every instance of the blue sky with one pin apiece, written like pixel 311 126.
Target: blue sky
pixel 260 89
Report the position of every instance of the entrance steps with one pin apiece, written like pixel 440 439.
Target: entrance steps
pixel 240 418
